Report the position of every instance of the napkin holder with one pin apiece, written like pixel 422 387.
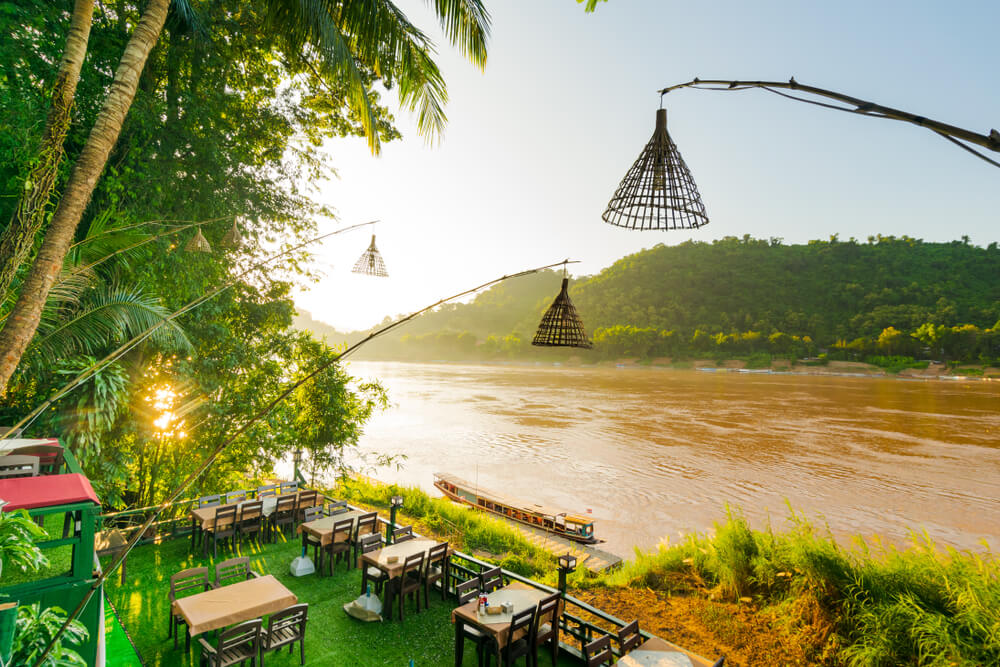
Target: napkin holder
pixel 495 610
pixel 392 560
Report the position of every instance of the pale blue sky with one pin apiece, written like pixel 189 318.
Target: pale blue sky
pixel 536 145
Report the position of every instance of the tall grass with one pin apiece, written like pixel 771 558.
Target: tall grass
pixel 871 604
pixel 466 528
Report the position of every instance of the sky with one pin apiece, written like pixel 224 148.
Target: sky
pixel 537 143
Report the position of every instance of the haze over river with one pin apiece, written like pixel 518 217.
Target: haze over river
pixel 655 453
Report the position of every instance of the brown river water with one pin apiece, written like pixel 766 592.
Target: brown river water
pixel 655 453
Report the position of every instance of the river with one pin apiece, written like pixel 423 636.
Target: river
pixel 655 453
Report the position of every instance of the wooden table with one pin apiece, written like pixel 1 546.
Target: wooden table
pixel 322 529
pixel 235 603
pixel 203 518
pixel 656 652
pixel 379 559
pixel 497 627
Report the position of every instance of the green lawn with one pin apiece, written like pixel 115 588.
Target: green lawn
pixel 332 637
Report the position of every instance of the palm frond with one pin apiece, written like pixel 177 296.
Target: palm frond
pixel 466 23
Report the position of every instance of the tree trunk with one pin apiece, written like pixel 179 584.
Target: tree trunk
pixel 19 236
pixel 20 326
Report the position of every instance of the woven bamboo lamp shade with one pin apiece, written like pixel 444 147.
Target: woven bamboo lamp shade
pixel 561 326
pixel 370 263
pixel 233 238
pixel 658 191
pixel 198 243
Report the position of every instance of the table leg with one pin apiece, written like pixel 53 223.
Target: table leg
pixel 459 642
pixel 387 607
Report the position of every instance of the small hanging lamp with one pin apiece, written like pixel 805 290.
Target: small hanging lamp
pixel 233 238
pixel 198 243
pixel 658 191
pixel 370 263
pixel 561 326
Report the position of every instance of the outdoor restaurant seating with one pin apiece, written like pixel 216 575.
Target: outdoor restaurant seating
pixel 288 487
pixel 598 652
pixel 370 574
pixel 184 583
pixel 367 525
pixel 18 465
pixel 306 500
pixel 340 545
pixel 311 514
pixel 335 508
pixel 546 627
pixel 50 457
pixel 629 637
pixel 402 534
pixel 409 580
pixel 283 515
pixel 236 496
pixel 284 628
pixel 520 643
pixel 251 522
pixel 467 591
pixel 267 491
pixel 236 644
pixel 490 580
pixel 435 571
pixel 223 528
pixel 233 570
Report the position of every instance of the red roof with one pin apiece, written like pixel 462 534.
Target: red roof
pixel 46 491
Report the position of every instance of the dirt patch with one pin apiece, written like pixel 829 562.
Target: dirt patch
pixel 853 367
pixel 745 635
pixel 781 364
pixel 734 363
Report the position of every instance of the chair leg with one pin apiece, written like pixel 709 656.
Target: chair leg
pixel 302 651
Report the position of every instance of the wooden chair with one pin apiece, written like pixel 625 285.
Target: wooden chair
pixel 18 465
pixel 284 628
pixel 628 637
pixel 306 500
pixel 236 496
pixel 367 525
pixel 232 571
pixel 409 580
pixel 311 514
pixel 204 501
pixel 288 487
pixel 490 580
pixel 598 652
pixel 545 630
pixel 210 501
pixel 340 544
pixel 267 491
pixel 236 644
pixel 436 570
pixel 284 514
pixel 402 534
pixel 50 457
pixel 466 591
pixel 251 522
pixel 224 528
pixel 370 574
pixel 519 642
pixel 184 583
pixel 337 507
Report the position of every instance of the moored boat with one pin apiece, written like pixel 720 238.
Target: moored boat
pixel 571 526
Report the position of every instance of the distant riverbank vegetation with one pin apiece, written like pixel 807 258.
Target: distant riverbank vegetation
pixel 888 301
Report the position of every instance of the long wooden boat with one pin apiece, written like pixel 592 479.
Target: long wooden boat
pixel 571 526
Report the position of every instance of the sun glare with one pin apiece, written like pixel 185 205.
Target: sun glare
pixel 169 424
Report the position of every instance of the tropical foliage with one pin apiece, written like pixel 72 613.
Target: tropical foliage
pixel 36 628
pixel 17 541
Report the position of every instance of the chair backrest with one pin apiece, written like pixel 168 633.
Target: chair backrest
pixel 50 457
pixel 437 554
pixel 266 491
pixel 337 507
pixel 287 625
pixel 343 529
pixel 242 639
pixel 405 531
pixel 288 487
pixel 285 505
pixel 232 570
pixel 368 523
pixel 467 590
pixel 19 465
pixel 546 612
pixel 405 537
pixel 186 581
pixel 225 517
pixel 522 622
pixel 598 651
pixel 414 563
pixel 490 580
pixel 236 497
pixel 210 501
pixel 251 511
pixel 629 637
pixel 307 499
pixel 313 513
pixel 369 543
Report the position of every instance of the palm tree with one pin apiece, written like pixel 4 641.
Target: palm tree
pixel 340 35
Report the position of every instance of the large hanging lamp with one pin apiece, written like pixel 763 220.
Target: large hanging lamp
pixel 198 243
pixel 658 191
pixel 370 263
pixel 233 238
pixel 561 326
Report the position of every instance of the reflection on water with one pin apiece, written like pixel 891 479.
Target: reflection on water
pixel 654 453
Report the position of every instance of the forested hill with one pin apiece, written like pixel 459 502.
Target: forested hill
pixel 821 292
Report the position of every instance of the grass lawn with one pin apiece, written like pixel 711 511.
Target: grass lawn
pixel 332 637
